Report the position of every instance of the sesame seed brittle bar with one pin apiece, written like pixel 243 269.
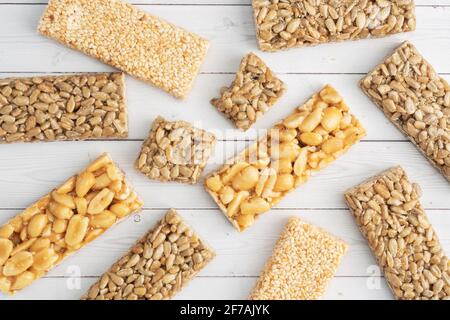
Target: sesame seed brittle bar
pixel 157 267
pixel 388 212
pixel 58 108
pixel 283 24
pixel 130 39
pixel 175 151
pixel 254 90
pixel 416 100
pixel 304 260
pixel 308 140
pixel 62 222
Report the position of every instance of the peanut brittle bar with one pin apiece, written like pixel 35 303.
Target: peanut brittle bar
pixel 157 267
pixel 130 39
pixel 254 90
pixel 308 140
pixel 304 260
pixel 296 23
pixel 175 151
pixel 69 107
pixel 62 222
pixel 389 214
pixel 416 100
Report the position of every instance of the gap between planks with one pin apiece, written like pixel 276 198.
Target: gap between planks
pixel 200 276
pixel 215 208
pixel 190 4
pixel 218 140
pixel 209 73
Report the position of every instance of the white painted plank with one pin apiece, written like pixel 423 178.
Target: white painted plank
pixel 146 103
pixel 30 171
pixel 231 31
pixel 238 254
pixel 214 2
pixel 220 288
pixel 340 288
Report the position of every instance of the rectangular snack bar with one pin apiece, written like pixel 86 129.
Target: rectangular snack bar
pixel 416 100
pixel 69 107
pixel 407 249
pixel 62 222
pixel 157 267
pixel 312 137
pixel 175 151
pixel 304 260
pixel 297 23
pixel 130 39
pixel 254 90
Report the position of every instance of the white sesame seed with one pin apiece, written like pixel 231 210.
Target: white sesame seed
pixel 128 38
pixel 304 260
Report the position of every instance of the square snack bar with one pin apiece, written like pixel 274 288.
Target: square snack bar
pixel 62 222
pixel 175 151
pixel 407 249
pixel 304 260
pixel 69 107
pixel 130 39
pixel 305 142
pixel 416 100
pixel 283 24
pixel 254 90
pixel 157 267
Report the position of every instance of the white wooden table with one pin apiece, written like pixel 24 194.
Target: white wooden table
pixel 28 171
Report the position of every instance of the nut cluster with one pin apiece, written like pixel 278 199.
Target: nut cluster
pixel 130 39
pixel 157 266
pixel 254 90
pixel 74 107
pixel 175 151
pixel 312 137
pixel 303 261
pixel 62 222
pixel 283 24
pixel 388 213
pixel 417 100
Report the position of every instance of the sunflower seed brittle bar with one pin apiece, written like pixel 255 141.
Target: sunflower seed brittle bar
pixel 157 267
pixel 296 23
pixel 130 39
pixel 254 90
pixel 57 108
pixel 304 260
pixel 416 100
pixel 62 222
pixel 309 139
pixel 388 212
pixel 175 151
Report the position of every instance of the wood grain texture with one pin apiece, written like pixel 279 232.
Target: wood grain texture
pixel 213 2
pixel 27 171
pixel 144 107
pixel 31 172
pixel 253 247
pixel 219 288
pixel 231 32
